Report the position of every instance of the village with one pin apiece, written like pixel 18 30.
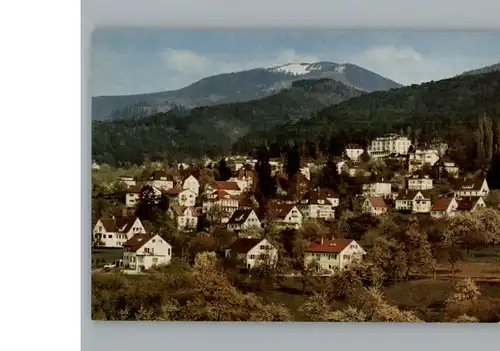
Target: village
pixel 415 189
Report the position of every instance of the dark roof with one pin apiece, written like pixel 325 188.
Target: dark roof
pixel 225 185
pixel 137 241
pixel 118 224
pixel 239 216
pixel 243 245
pixel 467 203
pixel 470 184
pixel 313 195
pixel 279 210
pixel 329 246
pixel 158 174
pixel 407 194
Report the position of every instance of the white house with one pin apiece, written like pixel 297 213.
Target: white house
pixel 182 197
pixel 319 203
pixel 243 220
pixel 420 181
pixel 251 252
pixel 222 200
pixel 186 218
pixel 374 206
pixel 449 166
pixel 416 201
pixel 192 184
pixel 420 157
pixel 285 215
pixel 114 232
pixel 127 180
pixel 444 207
pixel 159 179
pixel 334 255
pixel 354 151
pixel 389 144
pixel 144 251
pixel 472 187
pixel 377 189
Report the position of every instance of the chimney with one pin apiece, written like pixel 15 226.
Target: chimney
pixel 321 240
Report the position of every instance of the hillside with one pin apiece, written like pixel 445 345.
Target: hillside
pixel 211 129
pixel 236 87
pixel 487 69
pixel 446 109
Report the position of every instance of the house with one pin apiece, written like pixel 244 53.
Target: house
pixel 246 201
pixel 354 151
pixel 420 181
pixel 183 197
pixel 144 251
pixel 334 255
pixel 132 194
pixel 306 172
pixel 159 179
pixel 186 218
pixel 377 189
pixel 285 214
pixel 243 220
pixel 222 200
pixel 420 157
pixel 443 207
pixel 232 188
pixel 416 201
pixel 472 187
pixel 470 203
pixel 250 252
pixel 374 205
pixel 386 145
pixel 191 183
pixel 128 181
pixel 319 203
pixel 95 165
pixel 448 165
pixel 115 231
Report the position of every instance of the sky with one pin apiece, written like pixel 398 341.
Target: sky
pixel 143 60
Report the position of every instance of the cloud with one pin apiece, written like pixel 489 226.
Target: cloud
pixel 407 66
pixel 193 63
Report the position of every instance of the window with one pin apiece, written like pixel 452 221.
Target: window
pixel 110 236
pixel 155 259
pixel 252 257
pixel 168 252
pixel 100 229
pixel 346 257
pixel 153 240
pixel 146 250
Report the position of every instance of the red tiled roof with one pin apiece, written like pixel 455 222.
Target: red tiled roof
pixel 329 246
pixel 136 242
pixel 377 201
pixel 442 204
pixel 243 245
pixel 467 203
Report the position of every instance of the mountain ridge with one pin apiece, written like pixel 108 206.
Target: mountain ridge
pixel 239 87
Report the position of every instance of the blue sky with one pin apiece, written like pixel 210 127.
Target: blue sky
pixel 142 60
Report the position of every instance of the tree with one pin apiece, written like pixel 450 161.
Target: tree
pixel 224 171
pixel 465 290
pixel 151 205
pixel 365 157
pixel 265 182
pixel 330 177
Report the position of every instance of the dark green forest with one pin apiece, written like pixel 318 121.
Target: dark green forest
pixel 210 130
pixel 449 109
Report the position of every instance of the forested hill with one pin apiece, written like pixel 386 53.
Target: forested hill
pixel 445 108
pixel 211 130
